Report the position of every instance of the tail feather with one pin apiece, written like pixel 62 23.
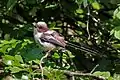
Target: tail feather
pixel 83 48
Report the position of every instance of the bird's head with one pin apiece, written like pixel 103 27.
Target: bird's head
pixel 41 26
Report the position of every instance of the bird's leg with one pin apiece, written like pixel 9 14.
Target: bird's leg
pixel 40 65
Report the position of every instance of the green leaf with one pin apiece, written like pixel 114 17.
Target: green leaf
pixel 116 76
pixel 52 25
pixel 24 77
pixel 8 57
pixel 117 32
pixel 28 41
pixel 8 60
pixel 80 11
pixel 33 54
pixel 11 4
pixel 111 78
pixel 36 61
pixel 117 13
pixel 70 54
pixel 104 74
pixel 116 45
pixel 4 49
pixel 7 36
pixel 91 1
pixel 85 3
pixel 81 24
pixel 15 69
pixel 54 74
pixel 112 31
pixel 19 58
pixel 51 6
pixel 56 56
pixel 96 5
pixel 12 60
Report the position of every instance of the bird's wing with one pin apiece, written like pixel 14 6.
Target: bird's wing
pixel 53 38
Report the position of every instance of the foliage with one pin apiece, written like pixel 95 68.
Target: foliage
pixel 92 23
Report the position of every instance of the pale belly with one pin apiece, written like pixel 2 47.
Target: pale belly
pixel 48 46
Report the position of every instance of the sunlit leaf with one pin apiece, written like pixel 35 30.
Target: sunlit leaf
pixel 117 32
pixel 36 61
pixel 96 5
pixel 8 60
pixel 24 77
pixel 81 24
pixel 80 11
pixel 116 76
pixel 70 54
pixel 104 74
pixel 4 49
pixel 56 56
pixel 15 69
pixel 19 58
pixel 117 13
pixel 8 57
pixel 116 45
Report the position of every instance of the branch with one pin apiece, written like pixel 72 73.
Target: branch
pixel 83 74
pixel 77 73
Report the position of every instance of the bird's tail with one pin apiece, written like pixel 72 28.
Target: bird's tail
pixel 82 47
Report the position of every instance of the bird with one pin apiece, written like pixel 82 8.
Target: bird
pixel 51 39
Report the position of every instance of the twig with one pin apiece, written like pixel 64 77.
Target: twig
pixel 88 14
pixel 94 68
pixel 41 60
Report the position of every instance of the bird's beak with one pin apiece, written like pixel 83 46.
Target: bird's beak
pixel 34 24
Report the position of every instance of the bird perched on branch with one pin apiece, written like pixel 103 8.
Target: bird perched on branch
pixel 50 39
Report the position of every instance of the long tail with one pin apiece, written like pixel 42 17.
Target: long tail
pixel 83 47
